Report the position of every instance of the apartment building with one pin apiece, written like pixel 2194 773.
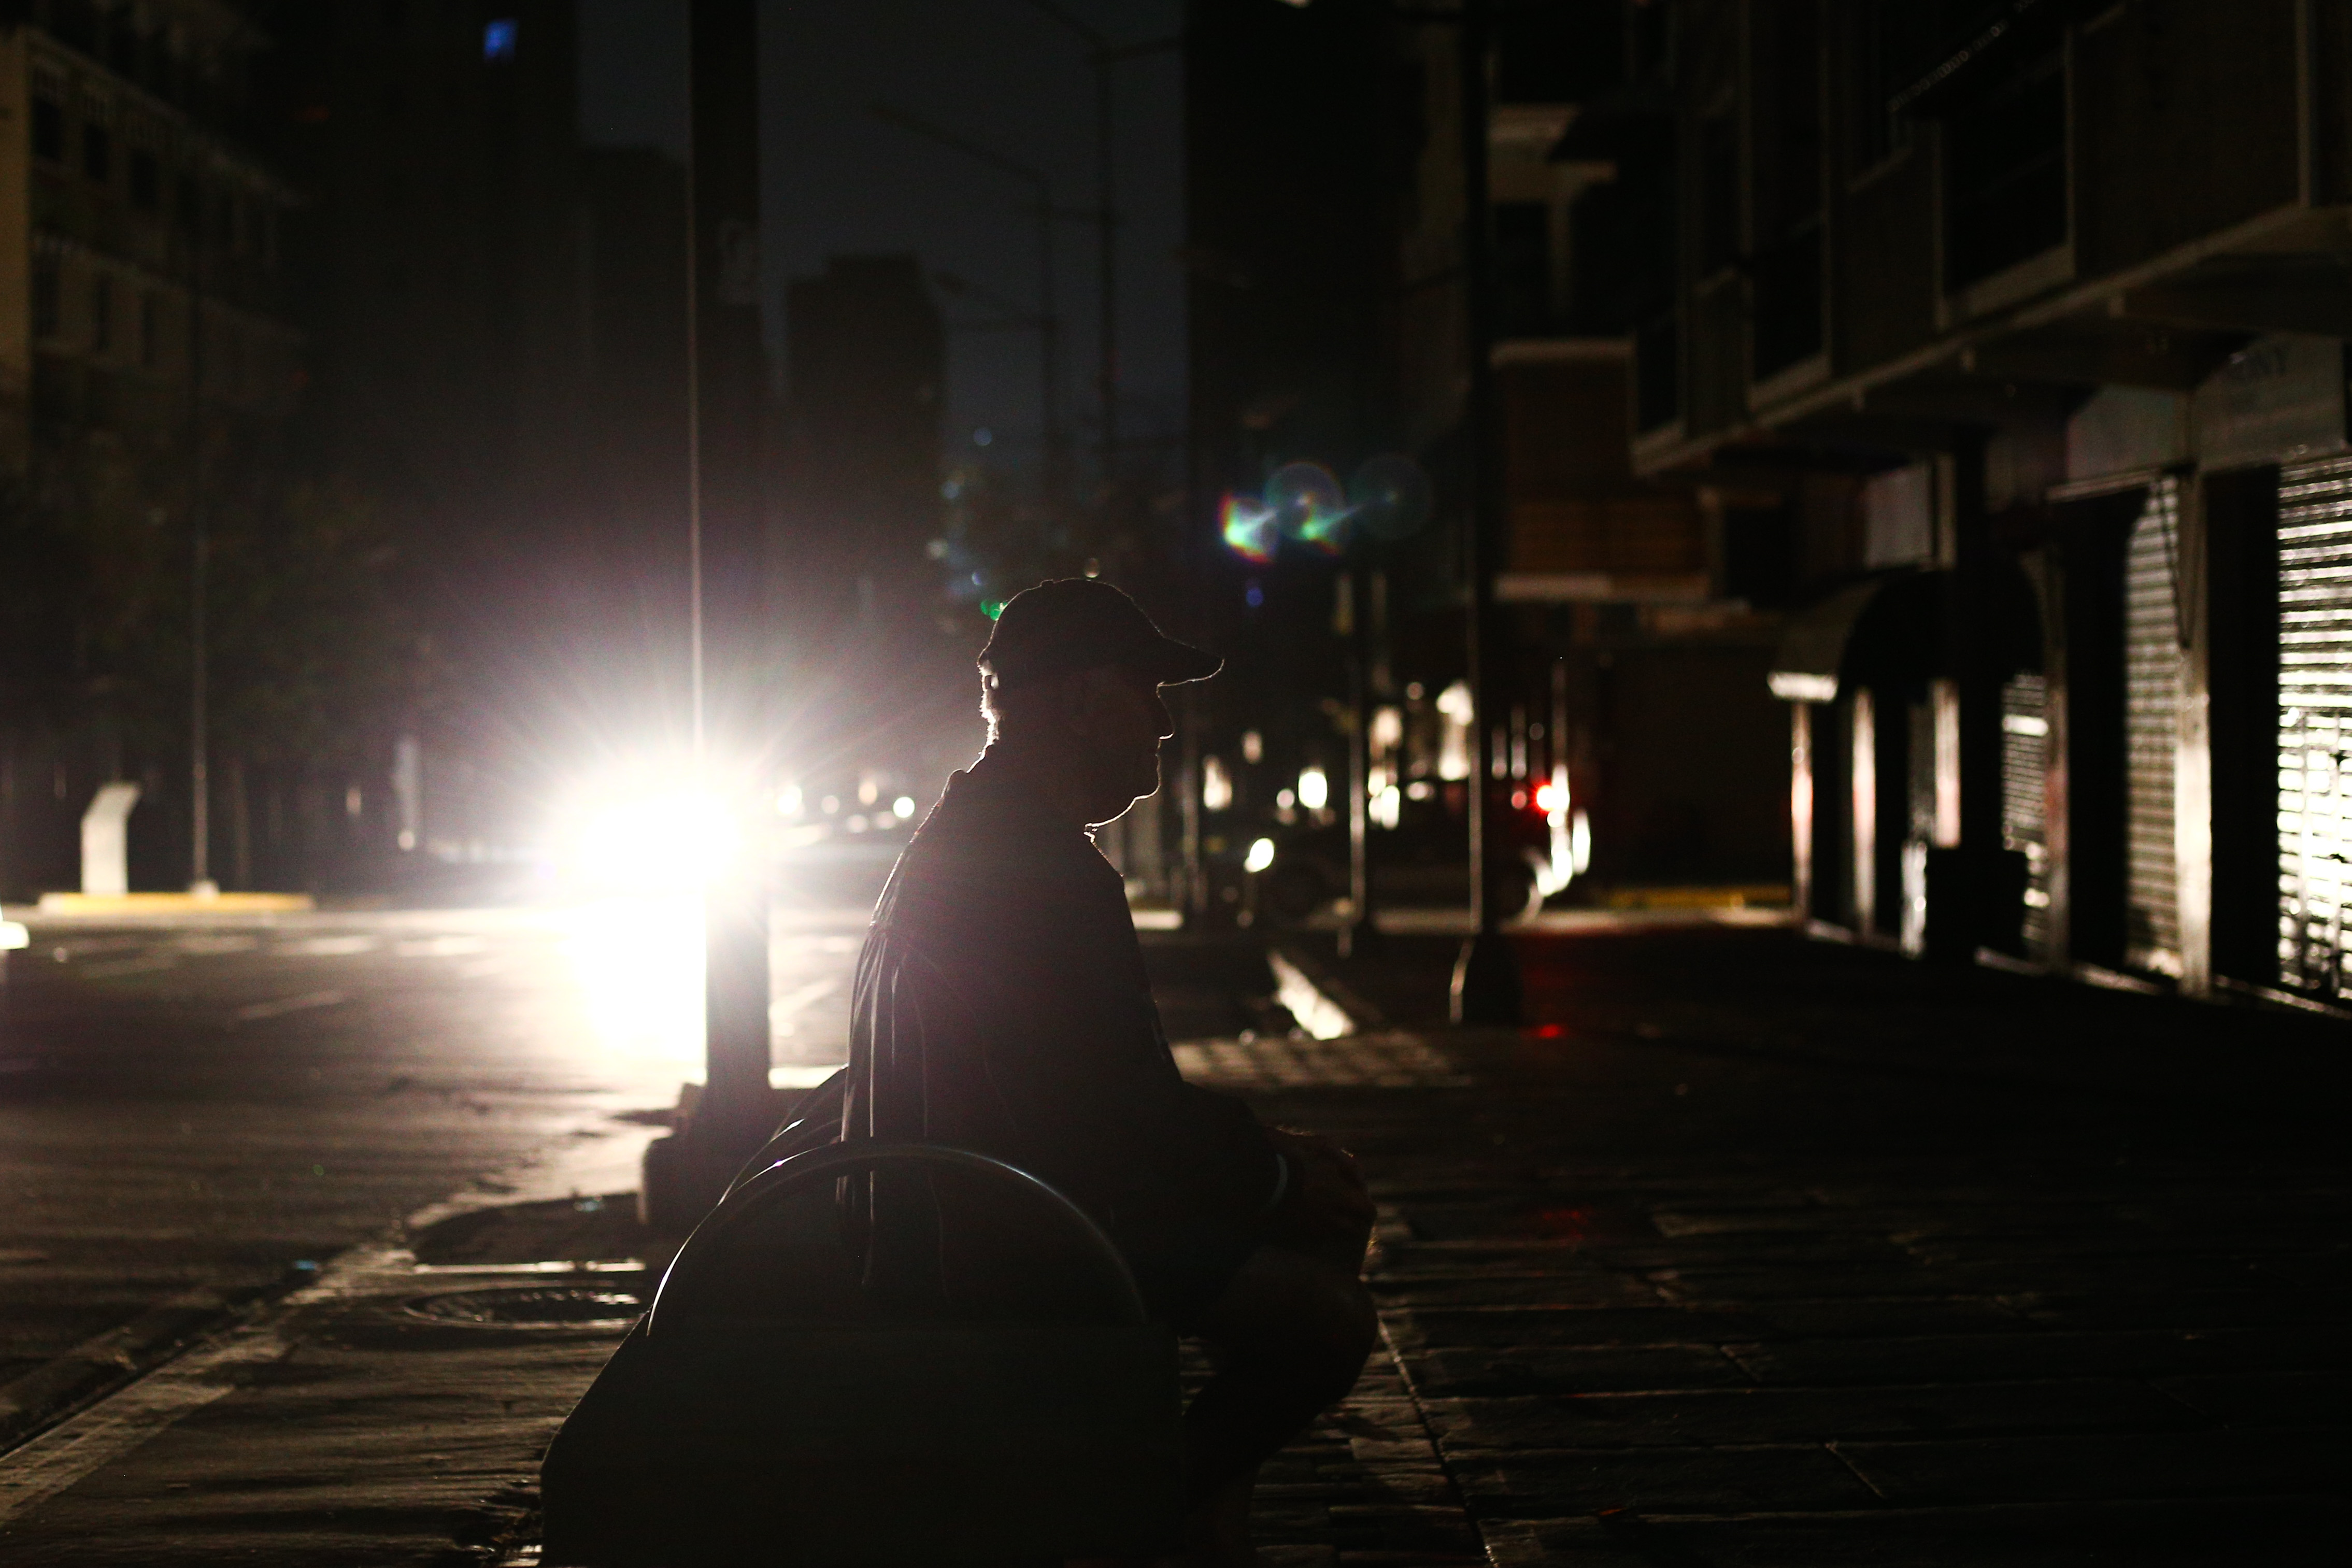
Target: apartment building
pixel 2032 315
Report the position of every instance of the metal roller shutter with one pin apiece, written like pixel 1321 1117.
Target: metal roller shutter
pixel 2314 722
pixel 2151 732
pixel 2024 769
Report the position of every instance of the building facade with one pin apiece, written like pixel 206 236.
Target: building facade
pixel 149 363
pixel 1634 753
pixel 2035 313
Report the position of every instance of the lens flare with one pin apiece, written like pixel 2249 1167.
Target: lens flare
pixel 1250 530
pixel 1391 496
pixel 1309 505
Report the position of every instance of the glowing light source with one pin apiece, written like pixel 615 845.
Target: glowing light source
pixel 1314 787
pixel 1250 530
pixel 1216 784
pixel 658 839
pixel 903 807
pixel 502 38
pixel 1260 855
pixel 1550 798
pixel 788 800
pixel 1458 708
pixel 1253 747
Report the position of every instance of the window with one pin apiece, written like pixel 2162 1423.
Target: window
pixel 49 291
pixel 500 38
pixel 1523 269
pixel 2005 173
pixel 151 329
pixel 1718 192
pixel 101 314
pixel 48 130
pixel 98 153
pixel 1786 266
pixel 146 181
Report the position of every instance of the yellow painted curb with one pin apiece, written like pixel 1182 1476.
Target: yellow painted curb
pixel 1767 896
pixel 175 903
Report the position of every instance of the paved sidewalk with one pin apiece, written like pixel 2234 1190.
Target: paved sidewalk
pixel 1756 1251
pixel 1750 1252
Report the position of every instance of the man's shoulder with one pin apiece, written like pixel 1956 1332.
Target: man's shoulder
pixel 986 854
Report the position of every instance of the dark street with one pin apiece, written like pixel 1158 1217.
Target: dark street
pixel 1752 1251
pixel 1175 783
pixel 197 1114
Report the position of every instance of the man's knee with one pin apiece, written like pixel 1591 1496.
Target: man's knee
pixel 1301 1317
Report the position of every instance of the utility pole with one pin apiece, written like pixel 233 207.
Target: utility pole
pixel 1487 988
pixel 687 1172
pixel 1013 317
pixel 1101 56
pixel 1049 322
pixel 200 789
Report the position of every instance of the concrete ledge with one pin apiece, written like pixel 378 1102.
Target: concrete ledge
pixel 175 903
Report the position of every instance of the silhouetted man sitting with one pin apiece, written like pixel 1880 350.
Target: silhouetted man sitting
pixel 1002 1007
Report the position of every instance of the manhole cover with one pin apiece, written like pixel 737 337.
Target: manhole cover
pixel 534 1307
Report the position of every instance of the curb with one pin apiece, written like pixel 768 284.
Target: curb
pixel 39 1399
pixel 1325 1005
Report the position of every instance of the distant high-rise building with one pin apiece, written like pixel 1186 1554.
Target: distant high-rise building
pixel 858 505
pixel 498 325
pixel 866 355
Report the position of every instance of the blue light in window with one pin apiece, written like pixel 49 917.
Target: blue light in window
pixel 500 38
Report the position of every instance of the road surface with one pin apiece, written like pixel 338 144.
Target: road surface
pixel 196 1109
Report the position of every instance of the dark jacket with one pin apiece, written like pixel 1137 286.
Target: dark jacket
pixel 1001 1005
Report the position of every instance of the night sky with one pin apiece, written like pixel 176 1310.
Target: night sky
pixel 838 180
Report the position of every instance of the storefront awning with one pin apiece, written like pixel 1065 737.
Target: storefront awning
pixel 1890 626
pixel 1813 648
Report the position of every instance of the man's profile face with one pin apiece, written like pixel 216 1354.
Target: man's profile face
pixel 1124 720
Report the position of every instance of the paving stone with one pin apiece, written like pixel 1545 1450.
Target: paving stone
pixel 2267 1399
pixel 1581 1542
pixel 1561 1369
pixel 1881 1316
pixel 2112 1465
pixel 1543 1484
pixel 2248 1305
pixel 1515 1290
pixel 1781 1414
pixel 1661 1325
pixel 2160 1534
pixel 2004 1357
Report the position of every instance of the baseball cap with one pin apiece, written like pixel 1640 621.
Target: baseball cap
pixel 1070 623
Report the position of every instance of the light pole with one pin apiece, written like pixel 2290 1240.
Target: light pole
pixel 200 802
pixel 686 1173
pixel 1487 987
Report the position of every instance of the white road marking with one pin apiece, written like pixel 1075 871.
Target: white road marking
pixel 208 945
pixel 117 968
pixel 327 947
pixel 442 947
pixel 111 1428
pixel 285 1004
